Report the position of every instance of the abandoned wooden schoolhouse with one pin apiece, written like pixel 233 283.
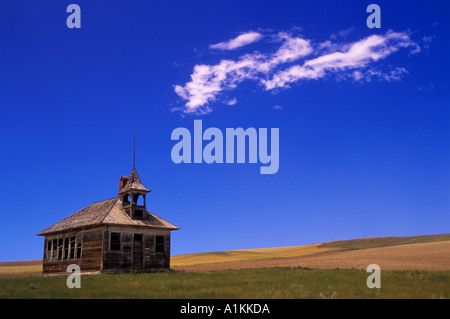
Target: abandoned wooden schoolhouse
pixel 110 236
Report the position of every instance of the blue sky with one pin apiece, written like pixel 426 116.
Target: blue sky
pixel 363 116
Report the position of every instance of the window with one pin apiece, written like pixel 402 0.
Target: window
pixel 60 248
pixel 115 241
pixel 54 249
pixel 66 248
pixel 78 245
pixel 72 247
pixel 159 244
pixel 49 250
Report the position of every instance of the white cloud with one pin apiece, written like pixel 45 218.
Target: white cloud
pixel 393 75
pixel 207 81
pixel 231 102
pixel 358 75
pixel 291 49
pixel 240 41
pixel 426 40
pixel 359 54
pixel 345 60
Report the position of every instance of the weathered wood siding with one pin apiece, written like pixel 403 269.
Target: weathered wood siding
pixel 98 256
pixel 91 252
pixel 117 261
pixel 153 259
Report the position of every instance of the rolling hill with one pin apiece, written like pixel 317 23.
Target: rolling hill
pixel 430 252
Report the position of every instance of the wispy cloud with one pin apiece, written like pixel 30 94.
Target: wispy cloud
pixel 240 41
pixel 426 87
pixel 207 81
pixel 342 34
pixel 355 60
pixel 358 56
pixel 231 102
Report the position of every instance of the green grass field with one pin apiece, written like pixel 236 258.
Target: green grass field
pixel 24 280
pixel 246 283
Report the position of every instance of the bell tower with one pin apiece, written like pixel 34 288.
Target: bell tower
pixel 133 193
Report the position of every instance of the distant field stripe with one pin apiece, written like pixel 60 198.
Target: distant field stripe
pixel 246 255
pixel 20 270
pixel 363 243
pixel 21 263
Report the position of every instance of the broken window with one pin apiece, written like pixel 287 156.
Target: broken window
pixel 159 244
pixel 66 248
pixel 115 241
pixel 60 248
pixel 78 245
pixel 72 247
pixel 49 250
pixel 54 249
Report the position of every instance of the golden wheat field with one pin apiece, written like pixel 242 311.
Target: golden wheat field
pixel 390 253
pixel 425 256
pixel 246 255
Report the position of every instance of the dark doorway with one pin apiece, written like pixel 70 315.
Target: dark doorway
pixel 137 252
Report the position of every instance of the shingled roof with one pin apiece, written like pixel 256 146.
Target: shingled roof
pixel 107 212
pixel 133 183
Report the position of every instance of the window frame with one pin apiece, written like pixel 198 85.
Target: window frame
pixel 78 246
pixel 159 245
pixel 68 247
pixel 115 241
pixel 72 240
pixel 54 255
pixel 60 248
pixel 66 244
pixel 49 249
